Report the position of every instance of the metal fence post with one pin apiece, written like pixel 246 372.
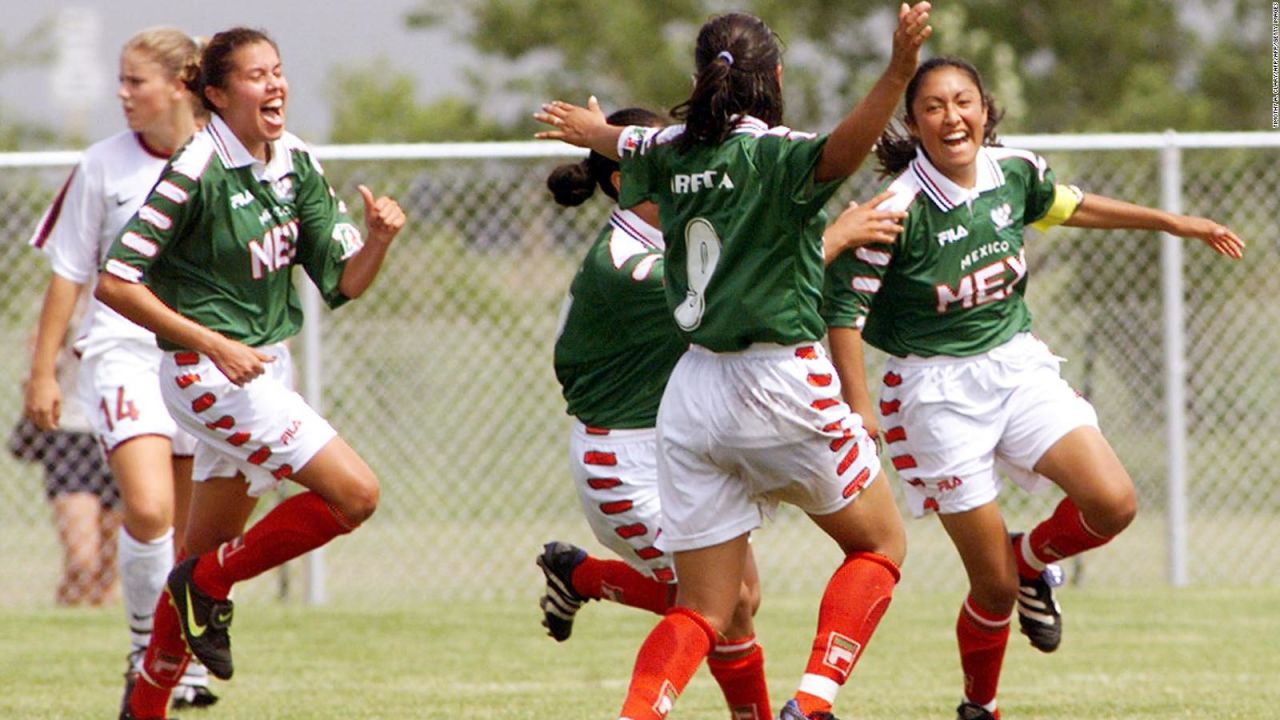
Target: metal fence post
pixel 313 391
pixel 1171 284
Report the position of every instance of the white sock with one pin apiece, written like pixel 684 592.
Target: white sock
pixel 144 566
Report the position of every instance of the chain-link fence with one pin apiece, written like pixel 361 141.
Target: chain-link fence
pixel 441 375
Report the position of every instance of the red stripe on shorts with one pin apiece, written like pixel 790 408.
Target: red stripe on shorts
pixel 848 460
pixel 895 434
pixel 889 407
pixel 603 483
pixel 186 381
pixel 282 472
pixel 832 427
pixel 598 457
pixel 186 358
pixel 808 352
pixel 892 379
pixel 260 455
pixel 665 575
pixel 649 553
pixel 858 483
pixel 626 532
pixel 239 438
pixel 204 402
pixel 904 462
pixel 824 403
pixel 597 430
pixel 618 506
pixel 819 380
pixel 226 422
pixel 840 441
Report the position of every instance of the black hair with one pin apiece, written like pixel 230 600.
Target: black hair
pixel 573 183
pixel 215 60
pixel 736 57
pixel 897 147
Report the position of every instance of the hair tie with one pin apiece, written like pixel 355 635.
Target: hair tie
pixel 726 56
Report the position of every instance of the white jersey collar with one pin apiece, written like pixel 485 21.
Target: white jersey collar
pixel 234 154
pixel 633 225
pixel 946 194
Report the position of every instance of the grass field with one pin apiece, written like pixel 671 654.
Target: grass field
pixel 1153 654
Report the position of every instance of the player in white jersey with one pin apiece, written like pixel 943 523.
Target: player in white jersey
pixel 751 415
pixel 149 456
pixel 967 388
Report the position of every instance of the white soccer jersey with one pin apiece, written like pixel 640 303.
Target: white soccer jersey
pixel 105 189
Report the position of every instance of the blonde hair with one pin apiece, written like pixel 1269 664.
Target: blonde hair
pixel 175 51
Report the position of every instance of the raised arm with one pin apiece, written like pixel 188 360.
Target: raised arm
pixel 42 400
pixel 584 127
pixel 1099 211
pixel 383 221
pixel 851 140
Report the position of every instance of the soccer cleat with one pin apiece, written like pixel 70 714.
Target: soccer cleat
pixel 791 711
pixel 561 602
pixel 204 620
pixel 972 711
pixel 192 696
pixel 1039 616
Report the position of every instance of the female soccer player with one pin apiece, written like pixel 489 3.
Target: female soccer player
pixel 615 348
pixel 966 386
pixel 206 264
pixel 752 413
pixel 149 456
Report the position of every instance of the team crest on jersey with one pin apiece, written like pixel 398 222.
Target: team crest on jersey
pixel 348 236
pixel 240 199
pixel 1002 217
pixel 283 188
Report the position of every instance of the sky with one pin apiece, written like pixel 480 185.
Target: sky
pixel 314 37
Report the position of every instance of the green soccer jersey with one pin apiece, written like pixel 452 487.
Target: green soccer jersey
pixel 743 222
pixel 617 344
pixel 218 236
pixel 954 281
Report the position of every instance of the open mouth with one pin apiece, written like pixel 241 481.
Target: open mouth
pixel 955 139
pixel 273 112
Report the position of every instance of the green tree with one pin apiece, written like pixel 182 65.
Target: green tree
pixel 1080 66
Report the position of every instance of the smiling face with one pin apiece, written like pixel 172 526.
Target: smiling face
pixel 252 99
pixel 148 96
pixel 949 118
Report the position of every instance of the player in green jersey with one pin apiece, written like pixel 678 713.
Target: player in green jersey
pixel 206 264
pixel 967 388
pixel 615 348
pixel 751 414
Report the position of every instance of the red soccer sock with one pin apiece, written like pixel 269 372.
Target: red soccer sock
pixel 1063 534
pixel 856 597
pixel 162 666
pixel 667 659
pixel 618 582
pixel 982 636
pixel 303 522
pixel 738 667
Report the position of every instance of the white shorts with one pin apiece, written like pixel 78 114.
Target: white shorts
pixel 120 391
pixel 949 423
pixel 739 432
pixel 616 475
pixel 263 429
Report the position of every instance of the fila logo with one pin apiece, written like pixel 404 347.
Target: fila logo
pixel 240 199
pixel 666 699
pixel 951 235
pixel 842 652
pixel 1002 216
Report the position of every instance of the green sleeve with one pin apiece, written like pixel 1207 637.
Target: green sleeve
pixel 639 158
pixel 327 237
pixel 851 283
pixel 158 224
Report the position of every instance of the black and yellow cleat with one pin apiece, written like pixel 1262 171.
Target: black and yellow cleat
pixel 204 621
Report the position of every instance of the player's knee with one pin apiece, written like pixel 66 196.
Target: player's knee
pixel 748 601
pixel 360 498
pixel 995 594
pixel 1111 513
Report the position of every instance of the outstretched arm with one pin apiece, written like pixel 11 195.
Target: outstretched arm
pixel 852 139
pixel 860 225
pixel 584 127
pixel 1099 211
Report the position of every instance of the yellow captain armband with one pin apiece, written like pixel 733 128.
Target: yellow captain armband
pixel 1066 198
